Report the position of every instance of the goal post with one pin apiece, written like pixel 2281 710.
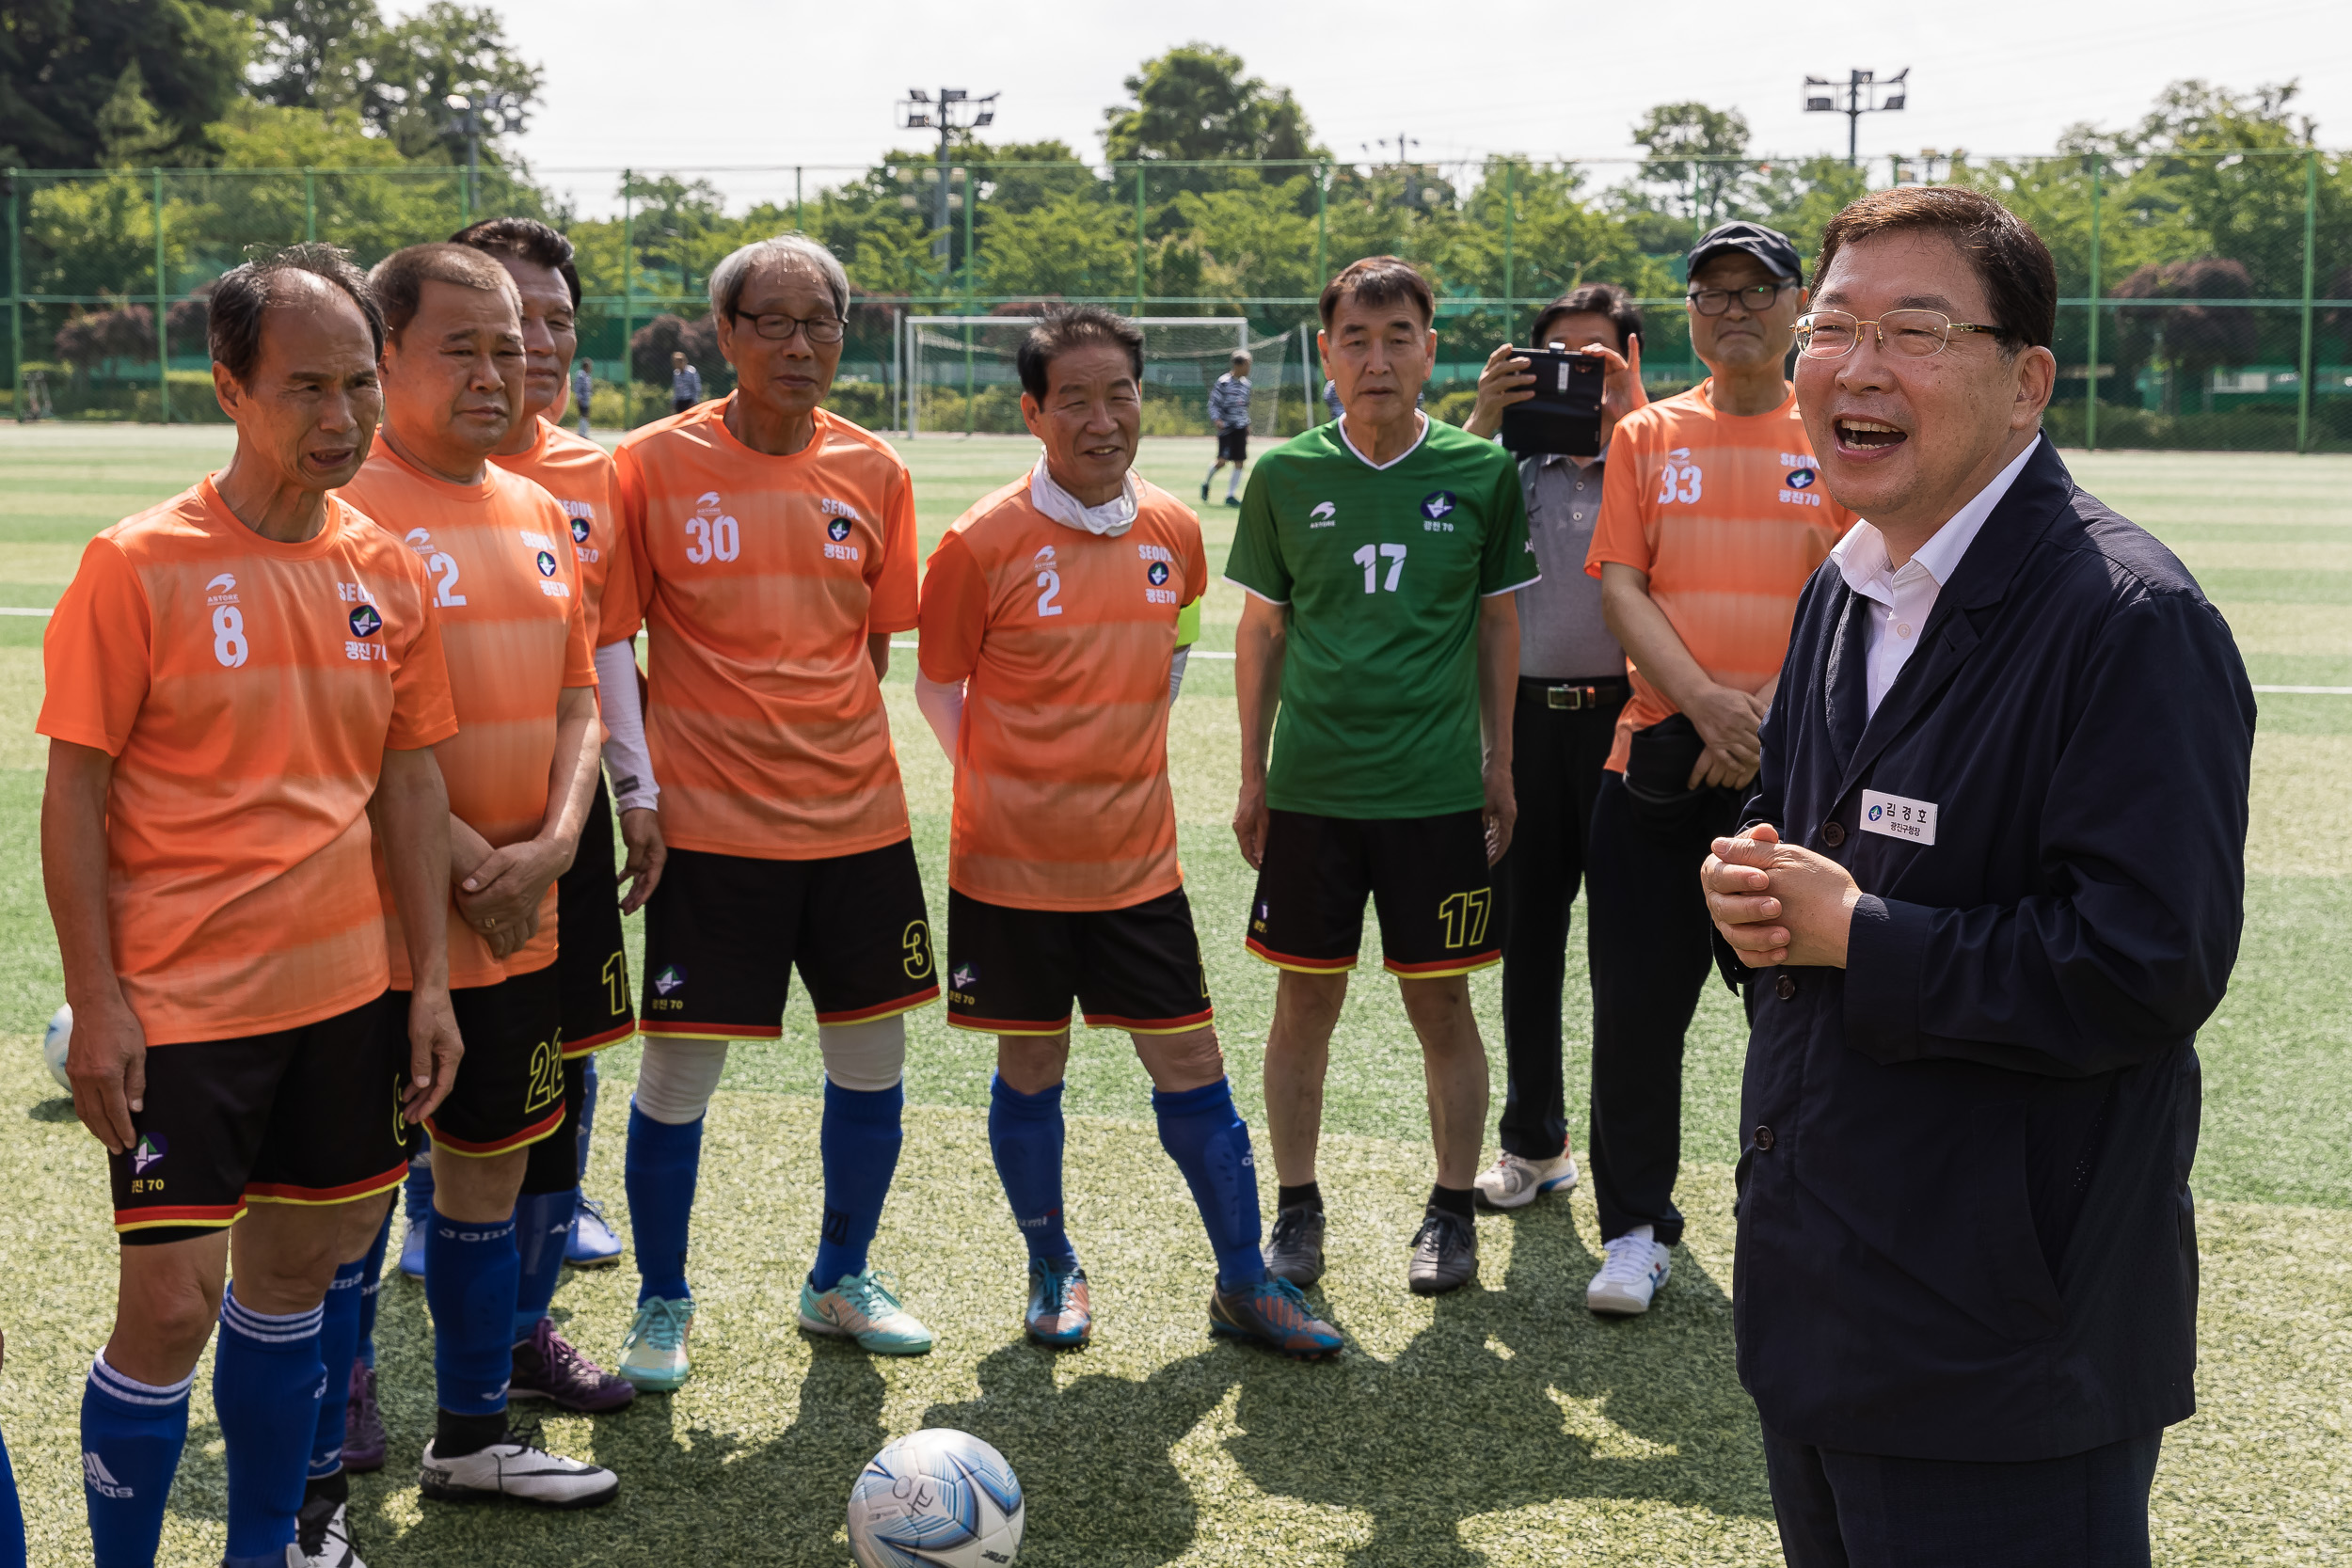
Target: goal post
pixel 957 374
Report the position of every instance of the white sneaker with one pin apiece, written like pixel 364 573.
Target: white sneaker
pixel 1635 1269
pixel 322 1538
pixel 1511 1182
pixel 516 1467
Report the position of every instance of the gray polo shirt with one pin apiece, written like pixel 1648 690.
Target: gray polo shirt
pixel 1562 636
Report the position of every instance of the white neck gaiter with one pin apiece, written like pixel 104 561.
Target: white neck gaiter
pixel 1110 520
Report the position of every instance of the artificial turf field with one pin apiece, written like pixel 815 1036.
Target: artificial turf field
pixel 1498 1425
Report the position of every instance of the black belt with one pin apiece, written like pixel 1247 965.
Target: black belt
pixel 1575 695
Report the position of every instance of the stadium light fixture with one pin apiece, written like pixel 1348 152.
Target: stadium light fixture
pixel 1864 95
pixel 954 110
pixel 486 111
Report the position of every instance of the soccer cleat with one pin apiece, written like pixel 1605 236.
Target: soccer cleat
pixel 1204 490
pixel 862 1308
pixel 653 1353
pixel 412 1250
pixel 1272 1313
pixel 592 1244
pixel 1294 1251
pixel 1445 1253
pixel 547 1367
pixel 363 1423
pixel 516 1467
pixel 1232 500
pixel 322 1536
pixel 1060 1315
pixel 1513 1182
pixel 1633 1269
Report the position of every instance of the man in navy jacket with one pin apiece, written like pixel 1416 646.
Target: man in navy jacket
pixel 1992 883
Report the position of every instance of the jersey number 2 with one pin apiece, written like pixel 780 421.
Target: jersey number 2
pixel 1051 582
pixel 1370 561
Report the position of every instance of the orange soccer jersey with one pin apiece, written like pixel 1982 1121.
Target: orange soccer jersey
pixel 761 578
pixel 248 690
pixel 516 632
pixel 1064 639
pixel 580 475
pixel 1727 515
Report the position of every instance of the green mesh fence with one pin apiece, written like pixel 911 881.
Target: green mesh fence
pixel 2207 295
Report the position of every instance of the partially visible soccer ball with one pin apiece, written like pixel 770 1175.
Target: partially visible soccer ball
pixel 54 1044
pixel 936 1499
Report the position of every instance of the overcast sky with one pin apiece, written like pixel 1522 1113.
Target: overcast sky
pixel 758 82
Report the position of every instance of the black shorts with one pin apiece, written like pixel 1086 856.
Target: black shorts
pixel 1013 971
pixel 1427 877
pixel 1232 446
pixel 309 1114
pixel 723 933
pixel 510 1086
pixel 591 964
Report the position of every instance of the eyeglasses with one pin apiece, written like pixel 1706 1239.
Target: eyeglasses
pixel 1754 298
pixel 1905 334
pixel 779 328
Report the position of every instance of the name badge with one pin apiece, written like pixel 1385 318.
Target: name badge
pixel 1913 821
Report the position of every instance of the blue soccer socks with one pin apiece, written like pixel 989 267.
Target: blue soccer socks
pixel 266 1378
pixel 339 1342
pixel 132 1434
pixel 1210 1144
pixel 859 1143
pixel 543 1224
pixel 659 1175
pixel 469 1278
pixel 1024 1132
pixel 372 1285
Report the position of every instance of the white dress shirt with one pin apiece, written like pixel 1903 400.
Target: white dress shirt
pixel 1900 598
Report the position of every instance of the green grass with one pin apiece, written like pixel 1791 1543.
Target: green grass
pixel 1501 1425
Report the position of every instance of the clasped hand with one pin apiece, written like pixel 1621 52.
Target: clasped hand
pixel 1779 903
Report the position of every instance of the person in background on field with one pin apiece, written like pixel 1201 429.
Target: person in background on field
pixel 1229 410
pixel 1992 884
pixel 1572 686
pixel 686 384
pixel 583 391
pixel 522 772
pixel 1380 555
pixel 246 684
pixel 1710 521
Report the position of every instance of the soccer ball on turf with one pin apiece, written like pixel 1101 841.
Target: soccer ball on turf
pixel 936 1499
pixel 54 1044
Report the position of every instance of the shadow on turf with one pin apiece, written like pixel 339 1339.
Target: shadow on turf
pixel 1513 1397
pixel 60 1109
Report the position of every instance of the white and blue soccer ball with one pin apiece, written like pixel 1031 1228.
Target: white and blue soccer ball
pixel 936 1498
pixel 54 1044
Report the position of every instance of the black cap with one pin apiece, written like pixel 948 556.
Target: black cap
pixel 1768 245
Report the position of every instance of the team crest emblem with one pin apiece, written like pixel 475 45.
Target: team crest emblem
pixel 964 978
pixel 547 563
pixel 1799 478
pixel 579 530
pixel 365 622
pixel 670 978
pixel 150 1147
pixel 1158 573
pixel 1436 504
pixel 838 529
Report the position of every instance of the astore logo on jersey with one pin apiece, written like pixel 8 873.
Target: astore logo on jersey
pixel 1044 559
pixel 221 589
pixel 1324 515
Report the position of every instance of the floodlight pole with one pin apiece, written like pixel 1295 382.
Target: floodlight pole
pixel 1862 98
pixel 954 110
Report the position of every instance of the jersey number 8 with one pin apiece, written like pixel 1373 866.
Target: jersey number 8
pixel 229 644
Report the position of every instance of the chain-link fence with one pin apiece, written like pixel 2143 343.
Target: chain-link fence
pixel 2207 295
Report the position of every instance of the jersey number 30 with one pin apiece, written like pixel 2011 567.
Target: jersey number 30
pixel 1369 558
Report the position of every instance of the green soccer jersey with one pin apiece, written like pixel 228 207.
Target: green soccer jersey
pixel 1383 569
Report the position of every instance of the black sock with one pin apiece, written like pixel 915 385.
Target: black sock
pixel 456 1436
pixel 1453 1200
pixel 335 1488
pixel 1307 1195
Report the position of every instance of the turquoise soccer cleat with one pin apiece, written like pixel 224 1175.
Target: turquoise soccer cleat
pixel 653 1354
pixel 862 1308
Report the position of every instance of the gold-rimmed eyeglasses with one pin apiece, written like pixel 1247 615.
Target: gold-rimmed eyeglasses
pixel 1905 334
pixel 779 328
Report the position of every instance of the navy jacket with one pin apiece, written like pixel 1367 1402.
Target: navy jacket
pixel 1964 1223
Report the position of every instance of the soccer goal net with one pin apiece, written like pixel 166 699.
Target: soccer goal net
pixel 958 377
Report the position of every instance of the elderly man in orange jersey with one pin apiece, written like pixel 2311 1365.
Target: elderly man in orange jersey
pixel 775 550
